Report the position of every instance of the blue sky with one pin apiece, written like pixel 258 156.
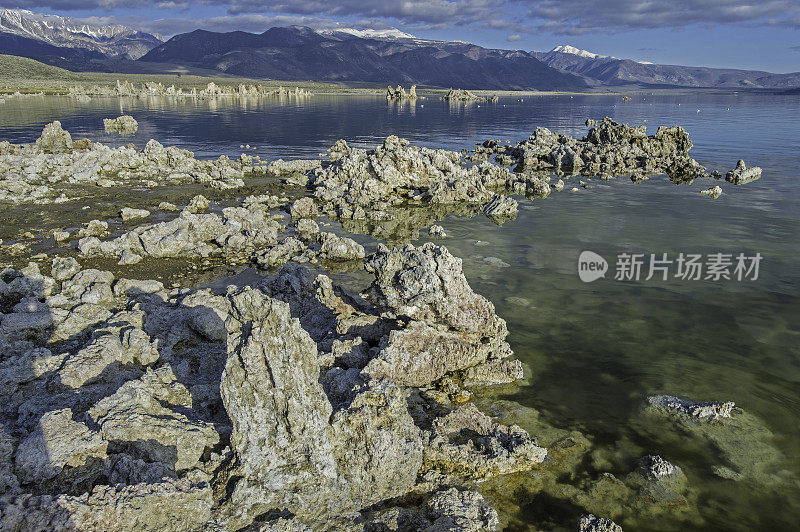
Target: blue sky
pixel 752 34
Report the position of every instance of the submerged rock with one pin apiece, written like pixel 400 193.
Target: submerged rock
pixel 592 523
pixel 468 443
pixel 710 411
pixel 655 468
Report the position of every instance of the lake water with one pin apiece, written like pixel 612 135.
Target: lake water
pixel 596 350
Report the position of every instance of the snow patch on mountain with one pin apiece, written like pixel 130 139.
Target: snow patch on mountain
pixel 567 49
pixel 384 34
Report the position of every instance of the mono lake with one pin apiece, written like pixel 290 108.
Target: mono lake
pixel 594 352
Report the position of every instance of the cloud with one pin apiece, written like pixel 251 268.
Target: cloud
pixel 514 38
pixel 795 48
pixel 517 17
pixel 577 17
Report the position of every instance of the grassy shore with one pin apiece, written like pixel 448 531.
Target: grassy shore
pixel 30 76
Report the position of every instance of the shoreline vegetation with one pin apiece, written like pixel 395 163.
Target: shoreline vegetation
pixel 296 403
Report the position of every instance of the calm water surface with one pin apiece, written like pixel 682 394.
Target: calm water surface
pixel 595 351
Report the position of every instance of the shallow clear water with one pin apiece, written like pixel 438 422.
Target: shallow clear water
pixel 595 351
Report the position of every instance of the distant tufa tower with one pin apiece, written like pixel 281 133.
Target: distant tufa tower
pixel 400 93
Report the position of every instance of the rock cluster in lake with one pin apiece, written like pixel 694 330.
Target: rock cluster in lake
pixel 212 90
pixel 56 167
pixel 461 95
pixel 399 93
pixel 609 149
pixel 124 125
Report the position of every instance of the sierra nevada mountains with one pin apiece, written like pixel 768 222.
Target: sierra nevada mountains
pixel 387 56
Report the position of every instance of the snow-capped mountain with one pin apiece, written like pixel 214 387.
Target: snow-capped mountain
pixel 112 40
pixel 387 34
pixel 567 49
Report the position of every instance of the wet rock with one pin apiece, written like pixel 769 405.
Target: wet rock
pixel 303 208
pixel 436 231
pixel 496 262
pixel 57 442
pixel 197 204
pixel 591 523
pixel 467 443
pixel 742 174
pixel 493 372
pixel 54 139
pixel 709 411
pixel 340 248
pixel 501 207
pixel 93 228
pixel 124 125
pixel 656 468
pixel 713 192
pixel 128 213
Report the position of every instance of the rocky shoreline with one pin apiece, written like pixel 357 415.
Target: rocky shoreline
pixel 294 403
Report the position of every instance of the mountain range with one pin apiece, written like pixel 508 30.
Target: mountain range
pixel 113 41
pixel 387 56
pixel 299 53
pixel 606 70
